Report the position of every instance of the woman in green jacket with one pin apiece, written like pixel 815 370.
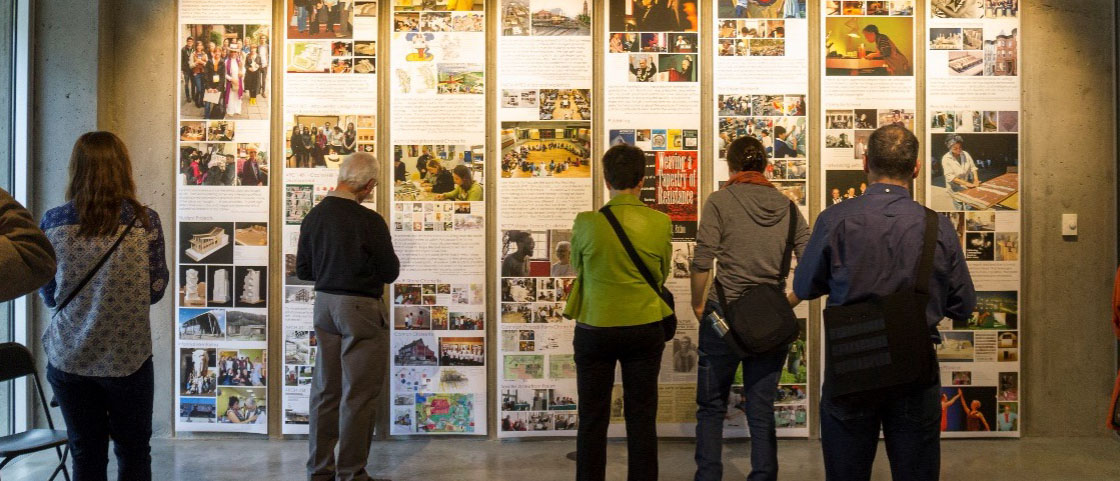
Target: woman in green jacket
pixel 618 318
pixel 466 189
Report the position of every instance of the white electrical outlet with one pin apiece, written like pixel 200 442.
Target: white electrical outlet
pixel 1069 225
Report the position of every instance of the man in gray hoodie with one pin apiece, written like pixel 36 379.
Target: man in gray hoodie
pixel 27 259
pixel 744 226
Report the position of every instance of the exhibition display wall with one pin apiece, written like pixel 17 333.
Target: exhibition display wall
pixel 329 110
pixel 973 178
pixel 222 216
pixel 485 246
pixel 544 82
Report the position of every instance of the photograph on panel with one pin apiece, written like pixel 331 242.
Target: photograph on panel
pixel 546 18
pixel 869 46
pixel 224 72
pixel 546 149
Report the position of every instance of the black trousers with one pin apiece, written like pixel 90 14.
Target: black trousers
pixel 638 349
pixel 97 409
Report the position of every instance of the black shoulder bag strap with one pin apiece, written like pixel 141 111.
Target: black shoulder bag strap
pixel 929 247
pixel 606 211
pixel 89 275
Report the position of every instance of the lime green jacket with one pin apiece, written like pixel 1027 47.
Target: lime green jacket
pixel 609 291
pixel 473 194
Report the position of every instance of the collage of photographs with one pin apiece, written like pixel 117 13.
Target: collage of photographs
pixel 849 131
pixel 869 38
pixel 752 38
pixel 977 51
pixel 968 408
pixel 752 28
pixel 438 351
pixel 973 179
pixel 538 410
pixel 323 38
pixel 431 55
pixel 551 104
pixel 663 57
pixel 442 413
pixel 210 155
pixel 546 18
pixel 221 271
pixel 991 9
pixel 778 121
pixel 659 38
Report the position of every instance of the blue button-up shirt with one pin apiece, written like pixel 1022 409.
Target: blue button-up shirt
pixel 870 246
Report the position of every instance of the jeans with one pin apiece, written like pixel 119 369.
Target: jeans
pixel 99 408
pixel 911 423
pixel 740 12
pixel 716 372
pixel 196 96
pixel 301 19
pixel 597 350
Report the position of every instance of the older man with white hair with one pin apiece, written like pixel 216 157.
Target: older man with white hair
pixel 347 251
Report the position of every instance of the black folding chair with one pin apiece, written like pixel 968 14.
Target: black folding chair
pixel 16 362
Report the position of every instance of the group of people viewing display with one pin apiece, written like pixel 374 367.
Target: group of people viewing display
pixel 859 252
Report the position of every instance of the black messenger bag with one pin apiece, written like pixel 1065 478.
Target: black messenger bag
pixel 761 319
pixel 883 342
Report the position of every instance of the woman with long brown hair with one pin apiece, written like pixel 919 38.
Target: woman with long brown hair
pixel 111 267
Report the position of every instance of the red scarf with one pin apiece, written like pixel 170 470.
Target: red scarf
pixel 748 177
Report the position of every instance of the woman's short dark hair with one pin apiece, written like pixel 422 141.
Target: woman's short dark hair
pixel 871 28
pixel 746 153
pixel 624 166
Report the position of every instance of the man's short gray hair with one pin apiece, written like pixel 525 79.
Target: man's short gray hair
pixel 358 169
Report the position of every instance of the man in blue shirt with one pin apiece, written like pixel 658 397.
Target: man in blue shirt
pixel 868 247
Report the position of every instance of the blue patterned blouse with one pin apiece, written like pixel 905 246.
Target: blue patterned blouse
pixel 105 331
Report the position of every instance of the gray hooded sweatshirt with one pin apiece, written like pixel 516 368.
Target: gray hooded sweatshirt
pixel 744 227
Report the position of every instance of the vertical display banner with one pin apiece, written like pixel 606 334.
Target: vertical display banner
pixel 868 65
pixel 222 208
pixel 761 86
pixel 973 178
pixel 544 119
pixel 330 109
pixel 438 217
pixel 652 100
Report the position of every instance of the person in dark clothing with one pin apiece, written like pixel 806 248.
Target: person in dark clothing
pixel 866 248
pixel 440 178
pixel 251 173
pixel 308 143
pixel 185 68
pixel 422 165
pixel 400 172
pixel 215 78
pixel 347 251
pixel 297 148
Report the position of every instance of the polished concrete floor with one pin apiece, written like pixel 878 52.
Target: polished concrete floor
pixel 470 460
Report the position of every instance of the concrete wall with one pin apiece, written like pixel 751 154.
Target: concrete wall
pixel 119 73
pixel 1070 161
pixel 111 72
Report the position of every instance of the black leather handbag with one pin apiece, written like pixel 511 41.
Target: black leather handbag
pixel 669 323
pixel 883 342
pixel 761 319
